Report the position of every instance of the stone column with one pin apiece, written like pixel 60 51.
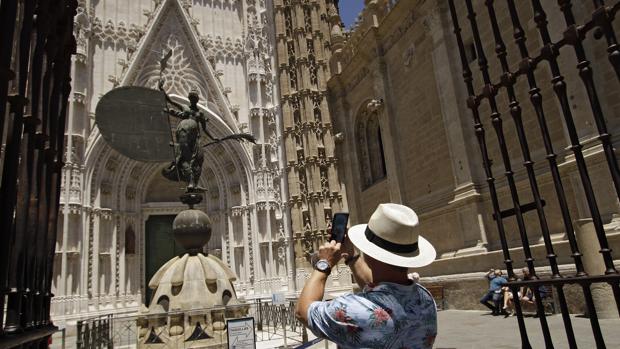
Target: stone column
pixel 85 216
pixel 231 239
pixel 458 126
pixel 94 275
pixel 594 265
pixel 122 273
pixel 270 270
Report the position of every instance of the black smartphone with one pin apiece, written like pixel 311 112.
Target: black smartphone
pixel 339 226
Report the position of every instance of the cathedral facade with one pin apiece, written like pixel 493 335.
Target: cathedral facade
pixel 116 213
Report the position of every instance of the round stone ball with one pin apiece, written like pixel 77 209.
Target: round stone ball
pixel 192 229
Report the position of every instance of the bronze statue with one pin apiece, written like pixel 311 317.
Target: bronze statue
pixel 188 156
pixel 187 165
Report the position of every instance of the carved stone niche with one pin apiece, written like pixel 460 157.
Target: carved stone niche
pixel 130 193
pixel 235 188
pixel 135 173
pixel 106 187
pixel 112 164
pixel 230 168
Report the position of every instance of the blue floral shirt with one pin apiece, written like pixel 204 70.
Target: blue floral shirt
pixel 386 315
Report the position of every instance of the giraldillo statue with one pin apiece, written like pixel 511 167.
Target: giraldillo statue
pixel 187 164
pixel 188 156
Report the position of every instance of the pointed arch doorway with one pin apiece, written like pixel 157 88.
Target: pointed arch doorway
pixel 159 246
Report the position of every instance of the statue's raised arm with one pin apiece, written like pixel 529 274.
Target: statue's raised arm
pixel 169 100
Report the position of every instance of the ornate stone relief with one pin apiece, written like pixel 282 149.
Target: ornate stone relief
pixel 181 75
pixel 218 46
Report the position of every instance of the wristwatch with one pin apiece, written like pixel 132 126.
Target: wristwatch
pixel 322 265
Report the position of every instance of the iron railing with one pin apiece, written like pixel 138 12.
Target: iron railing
pixel 271 324
pixel 36 44
pixel 490 95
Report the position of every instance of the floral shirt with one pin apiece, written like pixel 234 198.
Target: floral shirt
pixel 386 315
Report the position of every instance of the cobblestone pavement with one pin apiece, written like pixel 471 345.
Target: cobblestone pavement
pixel 478 329
pixel 463 329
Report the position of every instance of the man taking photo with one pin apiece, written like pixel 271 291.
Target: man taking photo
pixel 392 311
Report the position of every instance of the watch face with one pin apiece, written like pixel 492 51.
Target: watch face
pixel 322 265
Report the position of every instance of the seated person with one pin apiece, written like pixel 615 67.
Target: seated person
pixel 526 294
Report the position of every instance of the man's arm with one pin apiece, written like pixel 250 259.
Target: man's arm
pixel 361 271
pixel 315 286
pixel 359 268
pixel 313 291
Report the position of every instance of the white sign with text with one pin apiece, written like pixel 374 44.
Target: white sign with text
pixel 278 298
pixel 241 333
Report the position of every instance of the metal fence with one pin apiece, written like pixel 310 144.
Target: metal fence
pixel 36 44
pixel 502 93
pixel 273 323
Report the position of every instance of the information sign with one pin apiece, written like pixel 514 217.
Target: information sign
pixel 278 298
pixel 241 333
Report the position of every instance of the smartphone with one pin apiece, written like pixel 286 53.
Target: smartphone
pixel 339 226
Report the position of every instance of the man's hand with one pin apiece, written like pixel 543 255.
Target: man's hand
pixel 330 251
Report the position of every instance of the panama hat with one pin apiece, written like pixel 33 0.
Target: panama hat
pixel 391 236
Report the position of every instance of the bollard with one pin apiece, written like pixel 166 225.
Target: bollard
pixel 110 332
pixel 304 334
pixel 95 337
pixel 86 336
pixel 260 315
pixel 594 265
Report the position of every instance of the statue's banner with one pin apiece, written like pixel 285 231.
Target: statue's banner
pixel 133 122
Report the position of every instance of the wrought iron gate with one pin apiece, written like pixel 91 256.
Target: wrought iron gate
pixel 36 44
pixel 490 95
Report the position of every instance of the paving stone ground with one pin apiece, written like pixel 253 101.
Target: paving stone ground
pixel 463 329
pixel 476 329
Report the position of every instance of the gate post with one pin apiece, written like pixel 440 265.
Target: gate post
pixel 594 265
pixel 260 315
pixel 79 342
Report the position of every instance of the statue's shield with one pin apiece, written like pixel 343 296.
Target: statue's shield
pixel 131 119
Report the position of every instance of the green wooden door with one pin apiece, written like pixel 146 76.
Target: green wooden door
pixel 160 247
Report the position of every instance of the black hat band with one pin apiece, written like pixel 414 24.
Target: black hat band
pixel 389 246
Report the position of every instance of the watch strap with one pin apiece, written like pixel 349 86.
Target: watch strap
pixel 351 259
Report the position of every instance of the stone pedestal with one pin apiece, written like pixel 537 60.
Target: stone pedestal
pixel 594 265
pixel 193 293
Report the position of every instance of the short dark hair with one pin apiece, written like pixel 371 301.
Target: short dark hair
pixel 392 266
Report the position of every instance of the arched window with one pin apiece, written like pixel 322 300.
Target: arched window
pixel 375 148
pixel 370 147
